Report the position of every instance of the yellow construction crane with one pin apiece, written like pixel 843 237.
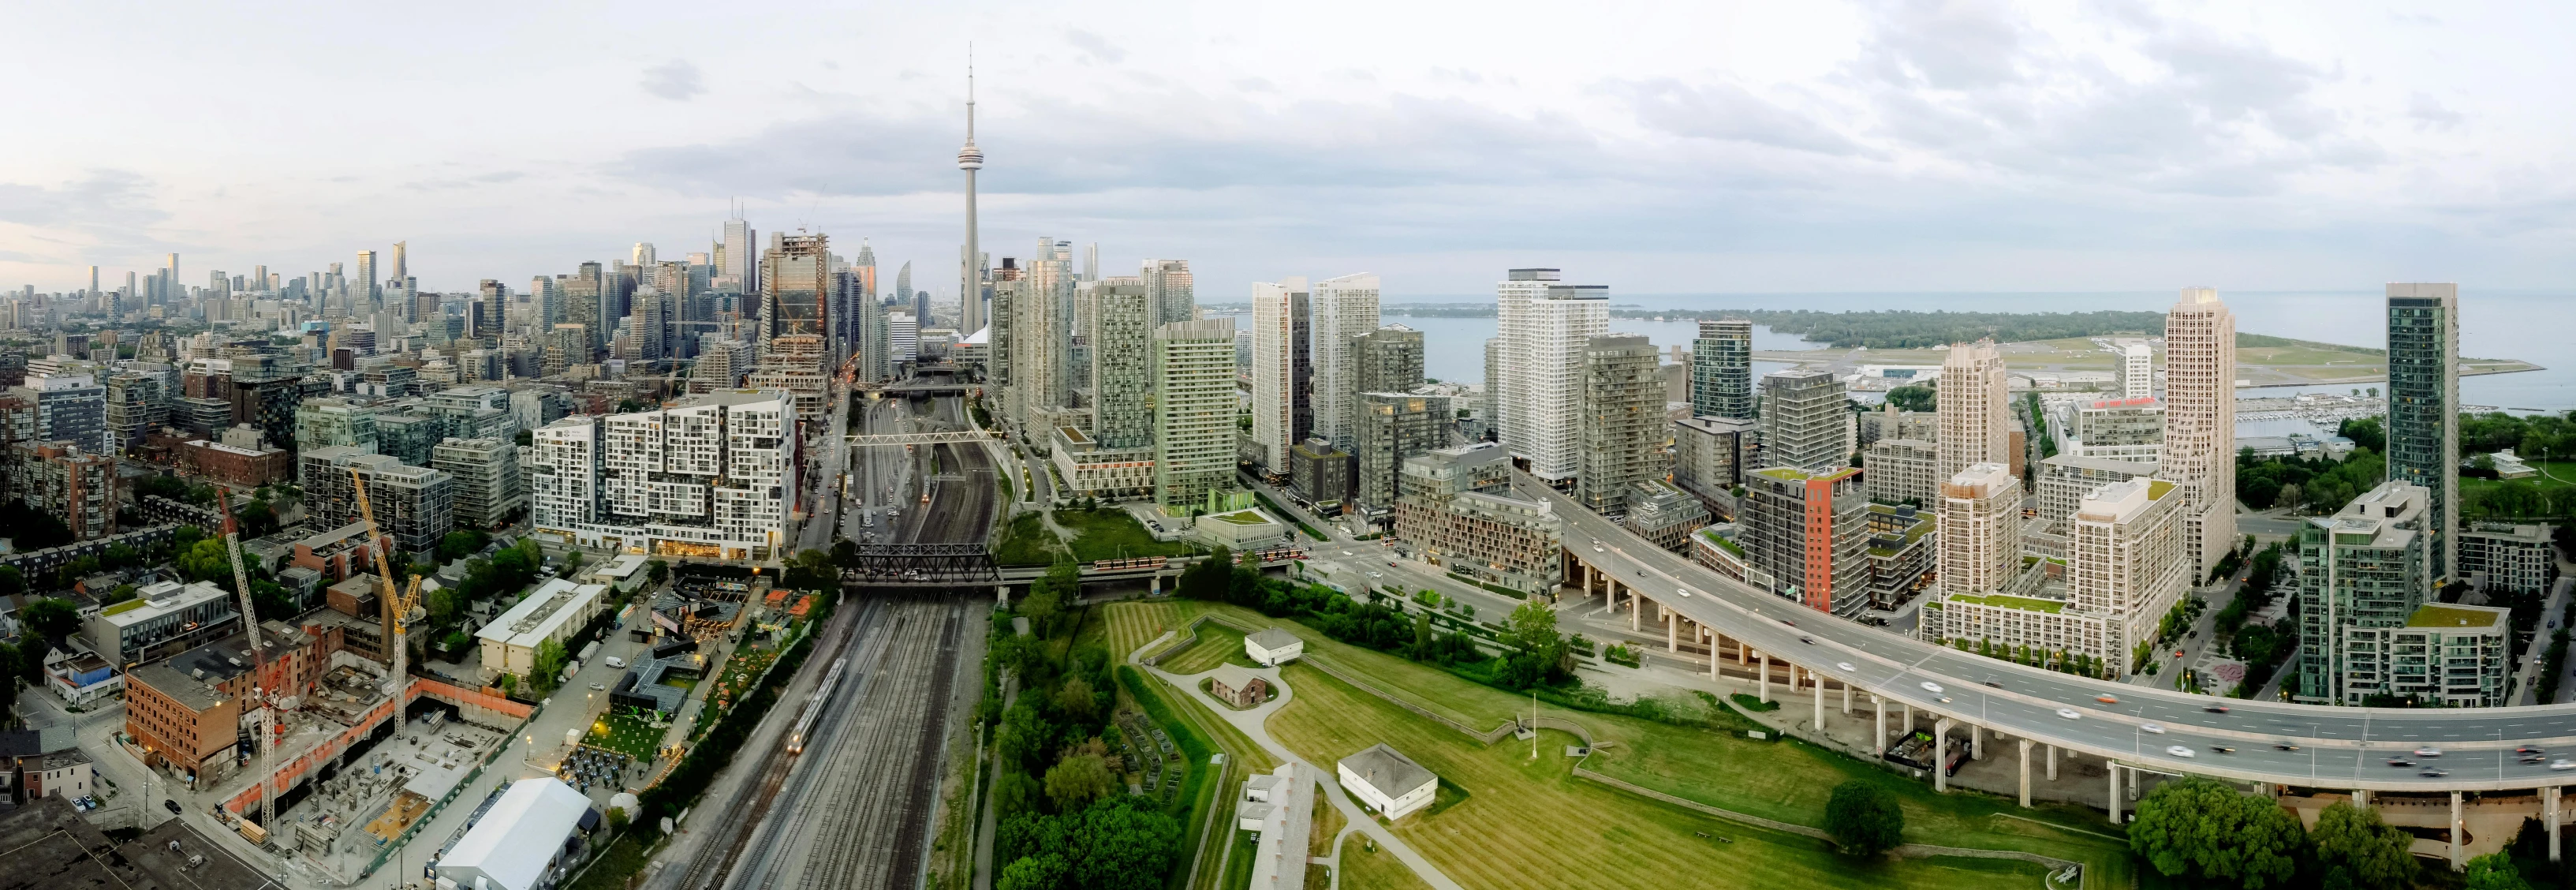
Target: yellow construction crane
pixel 264 698
pixel 397 607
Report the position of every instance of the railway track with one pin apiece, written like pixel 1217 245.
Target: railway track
pixel 875 808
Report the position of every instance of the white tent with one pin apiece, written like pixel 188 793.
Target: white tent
pixel 515 843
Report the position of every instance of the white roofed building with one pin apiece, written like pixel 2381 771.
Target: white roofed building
pixel 521 844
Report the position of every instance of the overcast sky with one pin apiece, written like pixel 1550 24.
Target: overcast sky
pixel 1672 147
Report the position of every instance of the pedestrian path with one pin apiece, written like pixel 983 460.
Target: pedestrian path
pixel 1253 723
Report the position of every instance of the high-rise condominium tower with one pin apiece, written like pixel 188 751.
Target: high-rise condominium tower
pixel 1345 309
pixel 1721 372
pixel 1168 286
pixel 1806 420
pixel 1622 421
pixel 644 255
pixel 1279 370
pixel 920 300
pixel 796 282
pixel 1091 261
pixel 1390 359
pixel 402 264
pixel 2137 371
pixel 970 272
pixel 1980 511
pixel 1121 335
pixel 1975 409
pixel 1192 373
pixel 2424 408
pixel 364 292
pixel 1544 327
pixel 738 269
pixel 2200 422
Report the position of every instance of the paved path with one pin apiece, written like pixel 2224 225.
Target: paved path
pixel 1253 723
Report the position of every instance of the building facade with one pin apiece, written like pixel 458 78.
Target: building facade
pixel 1809 531
pixel 1900 471
pixel 2131 429
pixel 1712 454
pixel 1544 327
pixel 1194 411
pixel 1345 309
pixel 2368 567
pixel 2516 558
pixel 2200 422
pixel 712 476
pixel 486 474
pixel 1806 420
pixel 1975 409
pixel 1391 427
pixel 1622 420
pixel 1279 371
pixel 1721 371
pixel 2424 408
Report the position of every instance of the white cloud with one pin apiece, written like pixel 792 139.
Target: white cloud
pixel 676 80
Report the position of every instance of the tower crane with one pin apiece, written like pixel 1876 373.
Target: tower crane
pixel 397 607
pixel 258 657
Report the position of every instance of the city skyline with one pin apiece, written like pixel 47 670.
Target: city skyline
pixel 2281 148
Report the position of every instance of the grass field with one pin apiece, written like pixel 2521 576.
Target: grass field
pixel 1239 859
pixel 1528 821
pixel 1112 534
pixel 624 733
pixel 1324 824
pixel 1027 542
pixel 1132 624
pixel 1366 869
pixel 1218 644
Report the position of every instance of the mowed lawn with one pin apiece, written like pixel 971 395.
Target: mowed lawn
pixel 1114 534
pixel 1532 823
pixel 1365 869
pixel 1217 645
pixel 1132 624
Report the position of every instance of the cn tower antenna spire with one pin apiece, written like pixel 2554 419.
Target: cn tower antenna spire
pixel 970 290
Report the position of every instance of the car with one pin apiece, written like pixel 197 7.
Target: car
pixel 1641 573
pixel 1994 684
pixel 1845 665
pixel 172 805
pixel 1788 622
pixel 2222 749
pixel 2562 763
pixel 2216 709
pixel 1596 546
pixel 598 687
pixel 1942 699
pixel 2177 653
pixel 2428 751
pixel 2156 728
pixel 1346 553
pixel 2400 762
pixel 1377 574
pixel 2431 773
pixel 2526 749
pixel 1931 687
pixel 2070 714
pixel 2107 699
pixel 2284 746
pixel 2531 758
pixel 1685 592
pixel 2180 751
pixel 1803 638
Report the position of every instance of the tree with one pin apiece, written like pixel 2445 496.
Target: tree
pixel 657 570
pixel 1917 397
pixel 1539 654
pixel 1015 793
pixel 2208 830
pixel 1125 846
pixel 460 544
pixel 1024 736
pixel 1209 579
pixel 51 618
pixel 1864 818
pixel 548 668
pixel 1077 781
pixel 1076 700
pixel 442 605
pixel 2495 871
pixel 1044 871
pixel 2355 849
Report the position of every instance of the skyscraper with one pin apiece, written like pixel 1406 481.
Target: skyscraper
pixel 1389 359
pixel 920 301
pixel 1091 261
pixel 1980 521
pixel 2200 423
pixel 1168 286
pixel 1975 409
pixel 2424 408
pixel 643 255
pixel 1278 396
pixel 1387 428
pixel 402 266
pixel 1121 336
pixel 363 292
pixel 1192 374
pixel 1721 372
pixel 1544 327
pixel 1622 421
pixel 970 273
pixel 796 280
pixel 738 266
pixel 1345 309
pixel 1806 420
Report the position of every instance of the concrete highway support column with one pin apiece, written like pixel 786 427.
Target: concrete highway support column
pixel 2025 774
pixel 1941 755
pixel 1878 743
pixel 2550 799
pixel 1813 677
pixel 1909 717
pixel 2052 763
pixel 2361 797
pixel 1846 698
pixel 1714 640
pixel 2115 789
pixel 1976 742
pixel 1634 618
pixel 2455 831
pixel 1763 678
pixel 1672 628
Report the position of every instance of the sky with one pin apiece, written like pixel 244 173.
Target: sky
pixel 1652 147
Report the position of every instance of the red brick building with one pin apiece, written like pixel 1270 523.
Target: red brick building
pixel 235 465
pixel 338 553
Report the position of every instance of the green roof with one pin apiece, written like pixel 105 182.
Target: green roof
pixel 2453 616
pixel 2156 489
pixel 1244 517
pixel 1721 541
pixel 123 607
pixel 2007 601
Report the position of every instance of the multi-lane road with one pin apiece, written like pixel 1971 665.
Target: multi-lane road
pixel 2308 745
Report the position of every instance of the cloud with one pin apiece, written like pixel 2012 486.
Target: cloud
pixel 1094 45
pixel 676 80
pixel 1727 111
pixel 2430 114
pixel 105 198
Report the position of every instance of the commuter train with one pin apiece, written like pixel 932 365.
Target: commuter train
pixel 814 707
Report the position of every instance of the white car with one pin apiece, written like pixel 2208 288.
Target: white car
pixel 1931 687
pixel 2070 714
pixel 2157 728
pixel 1684 593
pixel 2562 763
pixel 1596 546
pixel 1845 665
pixel 2428 751
pixel 2179 751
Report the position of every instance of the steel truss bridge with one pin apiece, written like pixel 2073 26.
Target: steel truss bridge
pixel 951 437
pixel 940 565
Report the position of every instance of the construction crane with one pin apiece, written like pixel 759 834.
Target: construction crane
pixel 397 607
pixel 258 657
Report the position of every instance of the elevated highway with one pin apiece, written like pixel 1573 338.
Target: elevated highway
pixel 2276 743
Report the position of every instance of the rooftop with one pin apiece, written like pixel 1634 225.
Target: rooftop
pixel 1384 769
pixel 2446 615
pixel 1272 638
pixel 2008 601
pixel 158 599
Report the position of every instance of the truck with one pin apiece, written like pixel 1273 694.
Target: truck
pixel 588 650
pixel 615 662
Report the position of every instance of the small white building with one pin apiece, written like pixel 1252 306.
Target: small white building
pixel 1277 806
pixel 1273 647
pixel 625 572
pixel 557 610
pixel 520 844
pixel 1244 529
pixel 1388 782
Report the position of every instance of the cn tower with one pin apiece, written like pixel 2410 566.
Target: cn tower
pixel 970 290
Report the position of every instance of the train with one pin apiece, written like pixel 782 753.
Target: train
pixel 1132 562
pixel 814 707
